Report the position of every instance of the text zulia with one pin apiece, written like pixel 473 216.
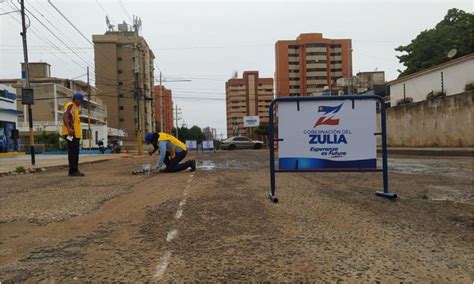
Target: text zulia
pixel 327 139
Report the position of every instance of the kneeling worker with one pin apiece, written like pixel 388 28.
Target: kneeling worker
pixel 172 151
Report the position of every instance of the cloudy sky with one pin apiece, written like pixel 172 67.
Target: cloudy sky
pixel 205 41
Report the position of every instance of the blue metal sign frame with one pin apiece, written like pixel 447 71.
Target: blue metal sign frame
pixel 384 170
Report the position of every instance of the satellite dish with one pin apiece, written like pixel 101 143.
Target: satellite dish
pixel 452 53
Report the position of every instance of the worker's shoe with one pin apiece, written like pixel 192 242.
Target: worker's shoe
pixel 193 165
pixel 76 174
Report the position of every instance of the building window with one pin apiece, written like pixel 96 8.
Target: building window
pixel 336 61
pixel 119 71
pixel 312 86
pixel 315 61
pixel 120 83
pixel 315 45
pixel 294 87
pixel 119 58
pixel 121 119
pixel 293 46
pixel 315 53
pixel 294 79
pixel 336 70
pixel 336 46
pixel 316 78
pixel 293 55
pixel 293 63
pixel 120 95
pixel 294 95
pixel 336 54
pixel 120 107
pixel 294 71
pixel 316 70
pixel 320 85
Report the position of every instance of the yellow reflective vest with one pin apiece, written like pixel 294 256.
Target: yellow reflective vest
pixel 167 137
pixel 76 120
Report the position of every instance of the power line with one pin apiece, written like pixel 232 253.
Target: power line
pixel 124 10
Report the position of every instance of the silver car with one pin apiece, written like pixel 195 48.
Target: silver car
pixel 241 142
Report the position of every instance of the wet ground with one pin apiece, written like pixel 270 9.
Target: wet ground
pixel 217 224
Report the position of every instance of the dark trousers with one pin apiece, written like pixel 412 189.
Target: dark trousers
pixel 173 165
pixel 73 155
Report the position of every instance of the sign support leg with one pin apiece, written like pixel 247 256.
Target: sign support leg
pixel 385 193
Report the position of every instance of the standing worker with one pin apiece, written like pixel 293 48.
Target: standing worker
pixel 172 151
pixel 72 132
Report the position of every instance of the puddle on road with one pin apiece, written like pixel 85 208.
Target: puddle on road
pixel 206 165
pixel 209 165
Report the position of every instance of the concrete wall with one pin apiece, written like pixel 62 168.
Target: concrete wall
pixel 442 122
pixel 455 78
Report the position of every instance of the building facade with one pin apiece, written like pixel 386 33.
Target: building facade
pixel 247 96
pixel 51 94
pixel 124 71
pixel 448 78
pixel 8 119
pixel 310 63
pixel 164 103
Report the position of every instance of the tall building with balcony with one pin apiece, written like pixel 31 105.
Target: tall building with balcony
pixel 164 104
pixel 247 96
pixel 310 63
pixel 124 69
pixel 51 94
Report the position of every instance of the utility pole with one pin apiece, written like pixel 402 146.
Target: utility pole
pixel 176 117
pixel 137 98
pixel 161 97
pixel 27 77
pixel 89 135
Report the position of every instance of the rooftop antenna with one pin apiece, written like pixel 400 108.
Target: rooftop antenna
pixel 110 27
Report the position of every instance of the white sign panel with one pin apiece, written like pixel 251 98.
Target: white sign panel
pixel 251 121
pixel 208 145
pixel 327 135
pixel 191 144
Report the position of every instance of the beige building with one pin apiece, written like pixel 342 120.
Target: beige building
pixel 123 66
pixel 51 94
pixel 247 96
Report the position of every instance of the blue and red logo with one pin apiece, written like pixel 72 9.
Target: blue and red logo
pixel 328 116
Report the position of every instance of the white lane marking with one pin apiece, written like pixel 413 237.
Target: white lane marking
pixel 179 213
pixel 164 262
pixel 171 235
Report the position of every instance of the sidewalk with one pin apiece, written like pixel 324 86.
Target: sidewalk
pixel 460 152
pixel 9 164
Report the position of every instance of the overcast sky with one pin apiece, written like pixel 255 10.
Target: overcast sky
pixel 206 41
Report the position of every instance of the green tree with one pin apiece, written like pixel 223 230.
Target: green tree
pixel 262 130
pixel 431 46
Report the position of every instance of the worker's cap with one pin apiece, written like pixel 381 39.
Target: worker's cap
pixel 78 96
pixel 150 136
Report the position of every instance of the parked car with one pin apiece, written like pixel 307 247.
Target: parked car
pixel 241 142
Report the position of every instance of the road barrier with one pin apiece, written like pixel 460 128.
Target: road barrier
pixel 327 134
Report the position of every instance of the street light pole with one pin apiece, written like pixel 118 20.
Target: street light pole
pixel 27 77
pixel 89 110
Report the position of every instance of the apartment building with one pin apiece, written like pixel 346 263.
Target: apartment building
pixel 124 70
pixel 247 96
pixel 51 95
pixel 164 103
pixel 310 63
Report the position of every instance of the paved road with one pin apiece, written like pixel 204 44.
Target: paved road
pixel 217 224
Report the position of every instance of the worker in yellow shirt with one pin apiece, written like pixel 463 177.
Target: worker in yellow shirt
pixel 72 132
pixel 172 152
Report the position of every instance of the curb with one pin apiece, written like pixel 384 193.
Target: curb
pixel 38 169
pixel 422 152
